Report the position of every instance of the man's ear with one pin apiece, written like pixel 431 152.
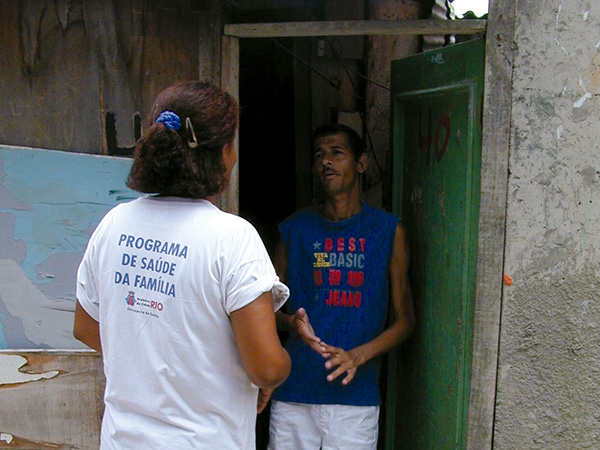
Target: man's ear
pixel 363 162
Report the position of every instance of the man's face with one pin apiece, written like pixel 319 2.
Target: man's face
pixel 335 165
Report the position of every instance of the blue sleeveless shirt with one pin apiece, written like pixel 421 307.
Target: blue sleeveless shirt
pixel 338 272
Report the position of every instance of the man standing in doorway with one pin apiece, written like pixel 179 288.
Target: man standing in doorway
pixel 345 263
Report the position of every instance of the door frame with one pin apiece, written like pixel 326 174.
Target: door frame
pixel 497 102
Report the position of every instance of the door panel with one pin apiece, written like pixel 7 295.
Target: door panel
pixel 436 102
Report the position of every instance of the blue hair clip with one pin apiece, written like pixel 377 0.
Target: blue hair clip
pixel 170 119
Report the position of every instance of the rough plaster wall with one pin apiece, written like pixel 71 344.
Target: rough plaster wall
pixel 549 370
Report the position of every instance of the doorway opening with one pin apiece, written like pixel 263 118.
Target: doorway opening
pixel 267 192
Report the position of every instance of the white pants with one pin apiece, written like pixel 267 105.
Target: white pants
pixel 299 426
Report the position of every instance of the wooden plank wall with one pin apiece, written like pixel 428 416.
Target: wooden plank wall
pixel 50 400
pixel 497 103
pixel 71 70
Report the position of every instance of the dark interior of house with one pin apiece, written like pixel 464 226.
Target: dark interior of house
pixel 267 153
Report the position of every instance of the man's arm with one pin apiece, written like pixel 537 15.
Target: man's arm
pixel 400 329
pixel 86 329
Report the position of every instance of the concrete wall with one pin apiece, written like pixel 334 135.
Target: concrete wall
pixel 549 369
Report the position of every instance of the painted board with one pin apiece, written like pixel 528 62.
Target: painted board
pixel 50 203
pixel 437 101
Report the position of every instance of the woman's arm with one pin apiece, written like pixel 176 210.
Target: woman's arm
pixel 86 329
pixel 263 358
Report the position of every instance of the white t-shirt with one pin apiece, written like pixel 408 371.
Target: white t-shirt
pixel 162 275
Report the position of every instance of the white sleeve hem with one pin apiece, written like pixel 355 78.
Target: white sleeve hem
pixel 251 292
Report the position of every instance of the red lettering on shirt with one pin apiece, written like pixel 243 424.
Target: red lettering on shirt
pixel 355 279
pixel 328 244
pixel 340 244
pixel 343 298
pixel 318 278
pixel 352 244
pixel 335 277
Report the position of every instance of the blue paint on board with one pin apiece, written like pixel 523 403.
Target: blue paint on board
pixel 68 195
pixel 50 202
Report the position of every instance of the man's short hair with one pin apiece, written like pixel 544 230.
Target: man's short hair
pixel 354 140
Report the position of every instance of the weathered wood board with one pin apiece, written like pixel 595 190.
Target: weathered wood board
pixel 50 399
pixel 76 74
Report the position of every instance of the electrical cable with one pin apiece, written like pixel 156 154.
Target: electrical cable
pixel 338 56
pixel 336 84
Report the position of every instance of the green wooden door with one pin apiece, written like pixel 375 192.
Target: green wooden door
pixel 437 99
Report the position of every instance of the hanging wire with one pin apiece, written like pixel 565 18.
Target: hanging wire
pixel 336 84
pixel 366 78
pixel 337 53
pixel 333 82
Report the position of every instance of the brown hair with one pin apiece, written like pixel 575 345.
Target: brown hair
pixel 354 141
pixel 164 163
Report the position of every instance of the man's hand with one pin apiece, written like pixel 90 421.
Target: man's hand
pixel 348 362
pixel 344 362
pixel 264 395
pixel 302 326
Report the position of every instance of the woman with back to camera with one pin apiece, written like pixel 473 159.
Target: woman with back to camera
pixel 178 295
